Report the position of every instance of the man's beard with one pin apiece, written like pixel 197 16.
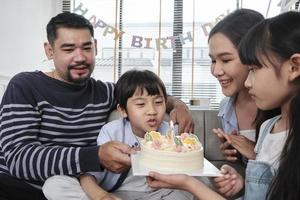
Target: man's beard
pixel 79 80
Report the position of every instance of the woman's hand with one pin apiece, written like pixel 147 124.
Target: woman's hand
pixel 243 145
pixel 228 151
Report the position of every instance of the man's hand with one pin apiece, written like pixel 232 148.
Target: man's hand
pixel 230 183
pixel 115 156
pixel 228 151
pixel 180 114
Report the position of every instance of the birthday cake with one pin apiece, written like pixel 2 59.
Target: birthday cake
pixel 171 153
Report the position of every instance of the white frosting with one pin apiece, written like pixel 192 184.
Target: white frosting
pixel 171 161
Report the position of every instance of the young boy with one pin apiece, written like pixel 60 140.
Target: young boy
pixel 141 98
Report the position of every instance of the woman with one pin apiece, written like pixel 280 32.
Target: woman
pixel 237 110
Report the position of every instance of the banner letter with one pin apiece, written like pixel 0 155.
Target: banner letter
pixel 79 8
pixel 172 38
pixel 205 26
pixel 136 41
pixel 108 29
pixel 148 40
pixel 182 39
pixel 100 24
pixel 161 43
pixel 118 34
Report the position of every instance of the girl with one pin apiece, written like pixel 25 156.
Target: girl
pixel 237 110
pixel 272 51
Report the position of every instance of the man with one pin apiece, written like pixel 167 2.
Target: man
pixel 50 121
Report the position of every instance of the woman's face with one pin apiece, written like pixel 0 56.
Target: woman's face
pixel 226 65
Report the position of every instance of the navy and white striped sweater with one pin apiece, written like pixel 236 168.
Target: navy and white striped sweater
pixel 50 127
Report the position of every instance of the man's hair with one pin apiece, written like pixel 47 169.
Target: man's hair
pixel 67 20
pixel 138 79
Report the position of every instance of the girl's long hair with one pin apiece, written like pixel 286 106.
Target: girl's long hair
pixel 286 183
pixel 277 39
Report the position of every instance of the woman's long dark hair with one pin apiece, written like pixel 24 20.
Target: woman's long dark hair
pixel 235 25
pixel 277 39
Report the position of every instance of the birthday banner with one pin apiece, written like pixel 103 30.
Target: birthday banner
pixel 138 41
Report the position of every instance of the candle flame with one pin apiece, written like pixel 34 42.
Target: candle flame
pixel 171 124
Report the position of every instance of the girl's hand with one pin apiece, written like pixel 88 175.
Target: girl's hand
pixel 243 145
pixel 174 181
pixel 228 151
pixel 108 196
pixel 183 182
pixel 230 183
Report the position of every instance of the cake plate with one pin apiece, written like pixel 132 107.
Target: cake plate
pixel 208 170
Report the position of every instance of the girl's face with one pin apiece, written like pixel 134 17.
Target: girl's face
pixel 269 89
pixel 226 65
pixel 145 112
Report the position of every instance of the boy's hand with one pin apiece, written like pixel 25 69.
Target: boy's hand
pixel 228 151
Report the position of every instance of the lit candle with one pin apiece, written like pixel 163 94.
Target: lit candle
pixel 172 127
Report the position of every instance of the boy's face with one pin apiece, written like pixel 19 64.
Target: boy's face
pixel 145 112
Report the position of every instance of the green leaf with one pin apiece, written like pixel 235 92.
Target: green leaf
pixel 148 137
pixel 178 141
pixel 194 136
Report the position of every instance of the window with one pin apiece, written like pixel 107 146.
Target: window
pixel 168 37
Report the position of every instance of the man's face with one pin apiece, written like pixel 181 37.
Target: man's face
pixel 73 54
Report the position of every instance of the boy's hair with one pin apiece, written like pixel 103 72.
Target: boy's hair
pixel 67 20
pixel 134 79
pixel 235 25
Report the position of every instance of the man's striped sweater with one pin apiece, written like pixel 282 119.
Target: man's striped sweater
pixel 49 127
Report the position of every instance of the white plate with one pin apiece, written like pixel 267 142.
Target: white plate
pixel 208 169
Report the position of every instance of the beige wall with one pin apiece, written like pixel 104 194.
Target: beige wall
pixel 23 32
pixel 3 83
